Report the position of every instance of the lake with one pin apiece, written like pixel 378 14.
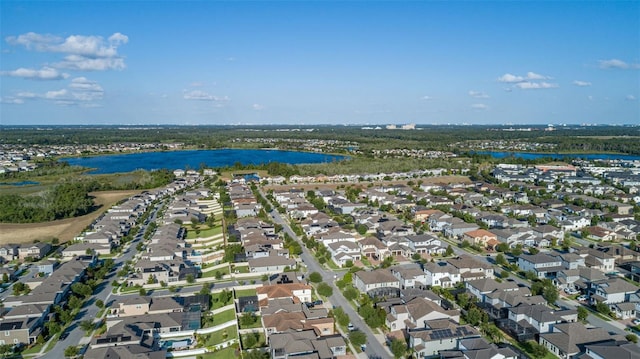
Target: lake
pixel 193 158
pixel 534 156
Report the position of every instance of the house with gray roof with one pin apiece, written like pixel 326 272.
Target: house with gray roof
pixel 569 339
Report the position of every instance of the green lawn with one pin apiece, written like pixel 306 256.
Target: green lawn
pixel 241 269
pixel 218 337
pixel 215 297
pixel 224 317
pixel 212 273
pixel 204 233
pixel 227 353
pixel 256 324
pixel 245 292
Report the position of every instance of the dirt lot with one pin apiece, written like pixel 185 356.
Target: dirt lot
pixel 310 186
pixel 64 229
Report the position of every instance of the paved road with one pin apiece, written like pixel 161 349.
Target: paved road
pixel 374 347
pixel 89 310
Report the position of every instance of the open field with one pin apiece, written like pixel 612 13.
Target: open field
pixel 64 229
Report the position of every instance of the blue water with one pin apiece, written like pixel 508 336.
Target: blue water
pixel 534 156
pixel 23 183
pixel 181 159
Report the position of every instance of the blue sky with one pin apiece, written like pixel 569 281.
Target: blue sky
pixel 360 62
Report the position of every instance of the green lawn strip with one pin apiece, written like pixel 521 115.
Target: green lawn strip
pixel 226 353
pixel 212 273
pixel 224 317
pixel 218 337
pixel 245 292
pixel 204 233
pixel 241 269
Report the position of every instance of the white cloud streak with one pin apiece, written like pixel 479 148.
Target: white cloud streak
pixel 44 74
pixel 478 94
pixel 527 85
pixel 83 53
pixel 617 64
pixel 199 95
pixel 581 83
pixel 479 106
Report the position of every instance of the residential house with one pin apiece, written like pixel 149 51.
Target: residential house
pixel 569 339
pixel 542 264
pixel 377 283
pixel 441 274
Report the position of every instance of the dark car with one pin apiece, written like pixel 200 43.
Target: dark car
pixel 64 335
pixel 318 302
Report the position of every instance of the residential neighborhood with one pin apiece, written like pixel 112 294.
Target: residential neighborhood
pixel 535 261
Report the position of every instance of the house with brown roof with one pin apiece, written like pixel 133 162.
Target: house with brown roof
pixel 481 237
pixel 298 291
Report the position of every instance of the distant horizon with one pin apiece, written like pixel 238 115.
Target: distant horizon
pixel 213 63
pixel 361 125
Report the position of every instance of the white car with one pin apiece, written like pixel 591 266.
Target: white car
pixel 636 322
pixel 570 291
pixel 582 298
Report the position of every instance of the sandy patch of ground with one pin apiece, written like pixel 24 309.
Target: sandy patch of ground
pixel 64 229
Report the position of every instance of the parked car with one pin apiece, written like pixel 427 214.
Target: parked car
pixel 351 327
pixel 636 322
pixel 570 291
pixel 582 298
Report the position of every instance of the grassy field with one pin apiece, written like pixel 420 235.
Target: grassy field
pixel 65 229
pixel 227 353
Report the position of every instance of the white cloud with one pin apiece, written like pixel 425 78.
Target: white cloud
pixel 11 100
pixel 581 83
pixel 509 78
pixel 478 94
pixel 26 94
pixel 84 84
pixel 479 106
pixel 590 98
pixel 82 63
pixel 535 76
pixel 630 98
pixel 202 96
pixel 527 85
pixel 257 107
pixel 83 53
pixel 617 64
pixel 45 74
pixel 52 95
pixel 427 98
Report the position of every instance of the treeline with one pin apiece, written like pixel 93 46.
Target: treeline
pixel 427 137
pixel 72 198
pixel 63 201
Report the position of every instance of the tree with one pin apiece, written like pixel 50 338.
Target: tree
pixel 5 278
pixel 398 348
pixel 5 349
pixel 71 351
pixel 315 277
pixel 225 296
pixel 324 290
pixel 583 313
pixel 249 340
pixel 206 288
pixel 248 319
pixel 533 250
pixel 632 338
pixel 357 337
pixel 142 292
pixel 350 293
pixel 340 316
pixel 449 252
pixel 190 278
pixel 87 326
pixel 550 294
pixel 99 303
pixel 501 260
pixel 538 350
pixel 502 247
